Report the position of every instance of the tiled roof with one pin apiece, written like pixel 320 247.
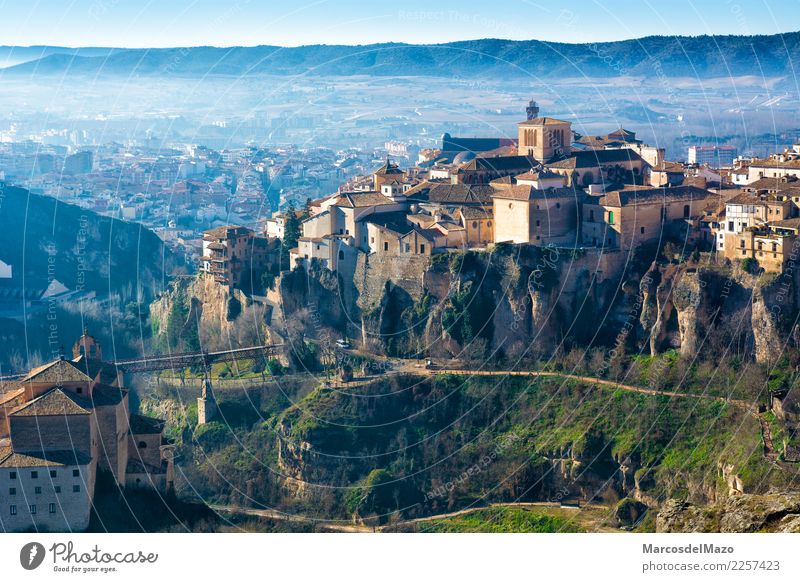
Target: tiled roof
pixel 594 158
pixel 226 231
pixel 360 200
pixel 30 459
pixel 500 163
pixel 528 192
pixel 475 213
pixel 55 402
pixel 56 372
pixel 457 194
pixel 773 184
pixel 542 121
pixel 146 424
pixel 92 368
pixel 540 175
pixel 104 395
pixel 646 195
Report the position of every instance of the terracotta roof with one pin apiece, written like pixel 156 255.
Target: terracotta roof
pixel 456 194
pixel 58 371
pixel 527 192
pixel 227 231
pixel 646 195
pixel 500 163
pixel 31 459
pixel 146 424
pixel 361 200
pixel 388 168
pixel 538 175
pixel 788 223
pixel 776 184
pixel 55 402
pixel 93 368
pixel 542 121
pixel 475 213
pixel 594 158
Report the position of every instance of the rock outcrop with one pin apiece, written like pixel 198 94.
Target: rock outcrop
pixel 777 512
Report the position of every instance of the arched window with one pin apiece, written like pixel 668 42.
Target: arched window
pixel 686 211
pixel 341 255
pixel 610 217
pixel 142 445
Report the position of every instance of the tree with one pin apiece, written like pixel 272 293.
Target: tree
pixel 291 235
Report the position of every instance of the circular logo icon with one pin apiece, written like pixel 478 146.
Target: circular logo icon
pixel 31 555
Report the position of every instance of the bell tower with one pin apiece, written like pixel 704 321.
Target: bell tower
pixel 532 110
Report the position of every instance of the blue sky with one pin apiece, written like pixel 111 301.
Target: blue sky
pixel 158 23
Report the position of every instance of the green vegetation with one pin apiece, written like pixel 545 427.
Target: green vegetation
pixel 501 520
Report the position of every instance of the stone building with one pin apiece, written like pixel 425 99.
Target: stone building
pixel 623 219
pixel 525 214
pixel 61 424
pixel 544 138
pixel 235 256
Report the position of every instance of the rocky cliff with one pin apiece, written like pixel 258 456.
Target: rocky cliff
pixel 197 312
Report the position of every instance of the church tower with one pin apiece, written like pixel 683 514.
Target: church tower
pixel 532 110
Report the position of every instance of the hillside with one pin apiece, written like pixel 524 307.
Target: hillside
pixel 117 266
pixel 673 56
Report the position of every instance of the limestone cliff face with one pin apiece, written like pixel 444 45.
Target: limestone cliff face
pixel 510 301
pixel 737 514
pixel 221 317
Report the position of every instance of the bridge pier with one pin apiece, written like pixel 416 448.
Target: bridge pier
pixel 206 404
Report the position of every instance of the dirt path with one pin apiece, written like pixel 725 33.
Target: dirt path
pixel 345 527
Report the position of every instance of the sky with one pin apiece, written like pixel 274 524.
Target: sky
pixel 170 23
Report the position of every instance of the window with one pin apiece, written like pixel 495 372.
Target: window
pixel 33 509
pixel 760 245
pixel 34 474
pixel 641 230
pixel 558 204
pixel 774 247
pixel 12 509
pixel 53 474
pixel 386 246
pixel 408 248
pixel 372 239
pixel 58 488
pixel 489 223
pixel 12 491
pixel 730 226
pixel 79 390
pixel 12 475
pixel 422 249
pixel 37 490
pixel 538 223
pixel 52 508
pixel 610 217
pixel 474 225
pixel 741 243
pixel 591 216
pixel 76 473
pixel 510 205
pixel 76 488
pixel 341 255
pixel 686 211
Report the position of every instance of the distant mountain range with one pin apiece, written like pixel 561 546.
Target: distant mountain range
pixel 672 56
